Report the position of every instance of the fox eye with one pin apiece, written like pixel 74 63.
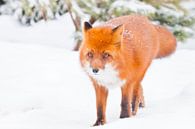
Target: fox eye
pixel 90 55
pixel 106 55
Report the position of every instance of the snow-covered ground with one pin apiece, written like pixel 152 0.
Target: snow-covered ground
pixel 56 33
pixel 43 87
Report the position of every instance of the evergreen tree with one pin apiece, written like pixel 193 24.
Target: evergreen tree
pixel 168 13
pixel 2 2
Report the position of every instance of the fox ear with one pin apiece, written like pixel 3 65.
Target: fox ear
pixel 117 34
pixel 118 29
pixel 87 26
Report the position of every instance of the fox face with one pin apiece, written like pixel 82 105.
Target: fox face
pixel 99 53
pixel 98 60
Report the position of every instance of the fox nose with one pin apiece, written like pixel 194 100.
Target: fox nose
pixel 95 70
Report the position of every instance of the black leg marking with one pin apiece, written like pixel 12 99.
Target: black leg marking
pixel 133 103
pixel 124 108
pixel 100 120
pixel 141 105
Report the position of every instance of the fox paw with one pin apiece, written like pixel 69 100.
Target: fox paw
pixel 142 105
pixel 125 113
pixel 99 122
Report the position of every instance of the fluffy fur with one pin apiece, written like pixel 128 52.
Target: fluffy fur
pixel 107 77
pixel 121 50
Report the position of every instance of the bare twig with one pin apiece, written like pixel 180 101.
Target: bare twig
pixel 74 20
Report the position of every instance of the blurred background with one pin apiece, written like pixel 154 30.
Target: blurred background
pixel 42 85
pixel 67 16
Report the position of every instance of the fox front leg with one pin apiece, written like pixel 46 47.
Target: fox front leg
pixel 127 92
pixel 101 99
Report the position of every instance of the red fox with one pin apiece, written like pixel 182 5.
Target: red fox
pixel 117 53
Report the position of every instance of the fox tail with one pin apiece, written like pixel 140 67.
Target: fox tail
pixel 167 42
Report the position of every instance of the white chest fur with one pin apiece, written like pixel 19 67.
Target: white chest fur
pixel 107 77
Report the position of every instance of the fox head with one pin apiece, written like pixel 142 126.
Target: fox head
pixel 100 48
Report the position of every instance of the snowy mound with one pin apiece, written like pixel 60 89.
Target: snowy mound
pixel 43 87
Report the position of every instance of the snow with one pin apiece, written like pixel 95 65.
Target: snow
pixel 171 12
pixel 63 29
pixel 188 44
pixel 134 5
pixel 189 5
pixel 42 85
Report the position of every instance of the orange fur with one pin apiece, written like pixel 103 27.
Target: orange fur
pixel 132 43
pixel 166 40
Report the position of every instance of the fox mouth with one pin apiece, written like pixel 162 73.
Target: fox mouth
pixel 95 72
pixel 107 77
